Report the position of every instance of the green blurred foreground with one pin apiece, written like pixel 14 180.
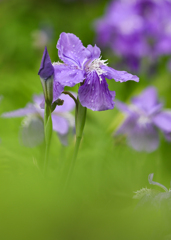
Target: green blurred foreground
pixel 98 204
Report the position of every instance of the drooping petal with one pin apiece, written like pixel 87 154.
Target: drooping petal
pixel 163 121
pixel 144 138
pixel 29 109
pixel 147 100
pixel 95 51
pixel 60 124
pixel 46 69
pixel 94 93
pixel 71 50
pixel 122 107
pixel 67 75
pixel 32 132
pixel 68 104
pixel 118 76
pixel 63 138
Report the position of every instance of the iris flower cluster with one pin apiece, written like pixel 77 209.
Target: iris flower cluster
pixel 144 118
pixel 82 66
pixel 145 25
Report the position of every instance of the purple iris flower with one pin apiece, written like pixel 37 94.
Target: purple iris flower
pixel 84 65
pixel 62 120
pixel 144 117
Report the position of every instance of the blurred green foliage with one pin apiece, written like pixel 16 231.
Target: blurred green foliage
pixel 98 203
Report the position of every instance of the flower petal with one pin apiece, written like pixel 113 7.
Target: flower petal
pixel 147 100
pixel 29 109
pixel 57 90
pixel 67 75
pixel 60 124
pixel 127 126
pixel 167 136
pixel 118 76
pixel 46 69
pixel 95 51
pixel 144 138
pixel 163 121
pixel 63 138
pixel 37 99
pixel 122 107
pixel 32 133
pixel 94 93
pixel 71 50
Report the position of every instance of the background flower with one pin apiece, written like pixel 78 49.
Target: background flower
pixel 143 119
pixel 33 129
pixel 150 37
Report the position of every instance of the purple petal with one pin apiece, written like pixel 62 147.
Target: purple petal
pixel 29 109
pixel 32 133
pixel 122 107
pixel 94 94
pixel 167 136
pixel 163 121
pixel 144 138
pixel 95 51
pixel 71 50
pixel 57 90
pixel 63 138
pixel 68 104
pixel 127 126
pixel 60 124
pixel 147 100
pixel 118 76
pixel 37 99
pixel 46 69
pixel 68 75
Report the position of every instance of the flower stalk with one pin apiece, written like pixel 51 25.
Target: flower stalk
pixel 48 134
pixel 80 118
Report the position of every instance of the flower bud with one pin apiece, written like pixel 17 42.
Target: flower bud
pixel 46 72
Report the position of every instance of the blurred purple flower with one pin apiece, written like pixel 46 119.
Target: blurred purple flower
pixel 143 119
pixel 61 118
pixel 42 36
pixel 84 65
pixel 149 37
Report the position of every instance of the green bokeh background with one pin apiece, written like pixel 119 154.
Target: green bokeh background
pixel 98 203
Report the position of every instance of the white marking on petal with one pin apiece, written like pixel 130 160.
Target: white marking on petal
pixel 143 117
pixel 57 63
pixel 95 65
pixel 143 120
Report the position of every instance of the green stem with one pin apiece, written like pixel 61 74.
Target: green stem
pixel 46 159
pixel 77 144
pixel 80 117
pixel 48 134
